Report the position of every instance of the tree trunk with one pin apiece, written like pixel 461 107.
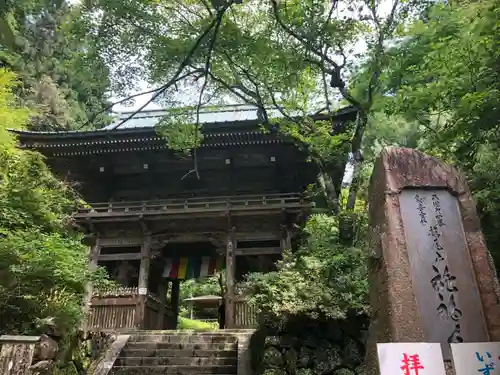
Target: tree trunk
pixel 353 188
pixel 327 187
pixel 357 159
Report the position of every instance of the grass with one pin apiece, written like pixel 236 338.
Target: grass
pixel 196 325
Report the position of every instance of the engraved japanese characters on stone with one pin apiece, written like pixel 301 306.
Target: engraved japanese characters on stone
pixel 443 282
pixel 437 210
pixel 442 279
pixel 421 209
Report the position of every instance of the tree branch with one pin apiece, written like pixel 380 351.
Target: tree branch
pixel 324 179
pixel 207 6
pixel 256 99
pixel 330 14
pixel 342 53
pixel 188 9
pixel 182 16
pixel 362 119
pixel 335 72
pixel 107 108
pixel 382 31
pixel 254 94
pixel 232 89
pixel 220 15
pixel 157 91
pixel 307 43
pixel 179 70
pixel 325 87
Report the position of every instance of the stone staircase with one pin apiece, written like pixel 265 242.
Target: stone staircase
pixel 178 353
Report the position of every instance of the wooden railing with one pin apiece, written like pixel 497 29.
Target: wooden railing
pixel 113 313
pixel 245 315
pixel 199 204
pixel 119 309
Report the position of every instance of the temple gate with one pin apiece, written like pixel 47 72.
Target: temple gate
pixel 152 224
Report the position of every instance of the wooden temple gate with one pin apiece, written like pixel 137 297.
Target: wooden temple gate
pixel 241 206
pixel 137 307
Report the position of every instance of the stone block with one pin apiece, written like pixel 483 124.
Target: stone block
pixel 431 276
pixel 45 349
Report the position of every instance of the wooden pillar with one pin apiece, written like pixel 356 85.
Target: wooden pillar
pixel 174 302
pixel 95 250
pixel 143 282
pixel 230 276
pixel 162 296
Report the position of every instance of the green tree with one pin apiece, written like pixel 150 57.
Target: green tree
pixel 444 77
pixel 200 287
pixel 43 265
pixel 288 57
pixel 62 77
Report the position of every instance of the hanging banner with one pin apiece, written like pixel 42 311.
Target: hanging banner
pixel 482 358
pixel 184 268
pixel 410 359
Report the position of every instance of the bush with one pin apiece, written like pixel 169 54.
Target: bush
pixel 322 279
pixel 43 264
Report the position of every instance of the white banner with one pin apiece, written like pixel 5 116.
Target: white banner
pixel 481 358
pixel 410 359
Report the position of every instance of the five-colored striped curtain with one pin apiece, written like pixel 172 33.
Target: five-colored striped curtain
pixel 184 268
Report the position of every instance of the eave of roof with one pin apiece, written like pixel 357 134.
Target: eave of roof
pixel 80 147
pixel 209 298
pixel 345 113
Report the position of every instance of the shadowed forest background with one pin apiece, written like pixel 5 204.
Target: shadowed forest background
pixel 422 74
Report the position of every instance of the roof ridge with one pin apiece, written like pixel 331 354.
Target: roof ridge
pixel 203 109
pixel 214 120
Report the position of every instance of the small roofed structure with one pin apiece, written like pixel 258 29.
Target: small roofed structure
pixel 202 304
pixel 204 300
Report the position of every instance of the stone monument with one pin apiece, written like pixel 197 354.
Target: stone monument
pixel 432 278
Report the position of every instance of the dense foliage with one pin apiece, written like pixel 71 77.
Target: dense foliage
pixel 290 58
pixel 441 93
pixel 59 83
pixel 209 286
pixel 62 77
pixel 323 279
pixel 43 265
pixel 422 74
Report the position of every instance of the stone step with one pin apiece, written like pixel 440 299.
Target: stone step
pixel 176 361
pixel 165 353
pixel 173 370
pixel 187 332
pixel 180 346
pixel 193 338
